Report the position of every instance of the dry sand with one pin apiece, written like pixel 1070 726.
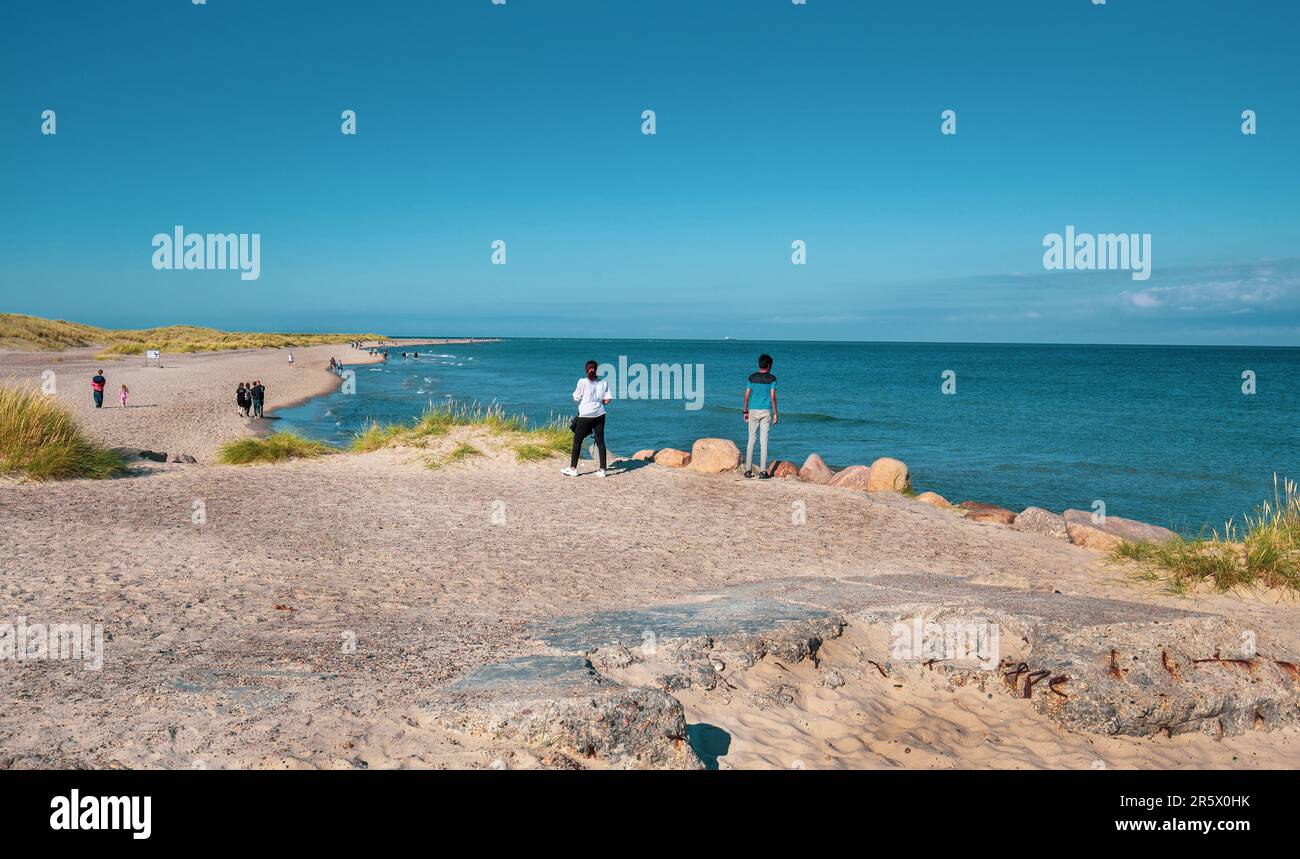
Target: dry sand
pixel 915 721
pixel 228 637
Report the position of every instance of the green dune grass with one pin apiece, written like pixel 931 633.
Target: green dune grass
pixel 274 448
pixel 40 440
pixel 1262 550
pixel 528 442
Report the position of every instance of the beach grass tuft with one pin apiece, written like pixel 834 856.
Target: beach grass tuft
pixel 550 439
pixel 529 452
pixel 437 420
pixel 40 440
pixel 462 452
pixel 1263 550
pixel 375 436
pixel 274 448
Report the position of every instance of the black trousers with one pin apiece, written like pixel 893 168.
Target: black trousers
pixel 584 428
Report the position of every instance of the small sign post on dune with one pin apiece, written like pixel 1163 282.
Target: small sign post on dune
pixel 153 355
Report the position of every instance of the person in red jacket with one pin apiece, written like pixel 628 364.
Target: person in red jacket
pixel 97 384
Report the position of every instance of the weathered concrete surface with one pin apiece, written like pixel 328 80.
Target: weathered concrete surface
pixel 734 612
pixel 1191 675
pixel 689 643
pixel 1094 665
pixel 547 701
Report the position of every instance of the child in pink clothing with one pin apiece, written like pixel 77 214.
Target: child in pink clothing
pixel 121 396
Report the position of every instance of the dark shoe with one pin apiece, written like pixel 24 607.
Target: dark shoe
pixel 749 474
pixel 763 475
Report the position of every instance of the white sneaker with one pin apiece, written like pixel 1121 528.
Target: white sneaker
pixel 600 472
pixel 570 472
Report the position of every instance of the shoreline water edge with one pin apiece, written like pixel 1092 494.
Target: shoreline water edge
pixel 310 385
pixel 1018 426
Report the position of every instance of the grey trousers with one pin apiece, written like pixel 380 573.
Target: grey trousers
pixel 760 421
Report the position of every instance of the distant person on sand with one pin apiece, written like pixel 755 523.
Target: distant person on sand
pixel 97 383
pixel 257 394
pixel 591 396
pixel 760 413
pixel 121 395
pixel 241 398
pixel 290 359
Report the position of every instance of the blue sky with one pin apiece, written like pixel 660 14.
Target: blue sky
pixel 775 122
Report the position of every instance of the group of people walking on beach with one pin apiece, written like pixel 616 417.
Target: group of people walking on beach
pixel 758 409
pixel 249 399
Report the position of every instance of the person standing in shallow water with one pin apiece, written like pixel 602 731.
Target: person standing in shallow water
pixel 592 396
pixel 97 383
pixel 760 414
pixel 256 395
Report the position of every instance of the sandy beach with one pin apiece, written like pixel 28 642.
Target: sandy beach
pixel 321 612
pixel 187 405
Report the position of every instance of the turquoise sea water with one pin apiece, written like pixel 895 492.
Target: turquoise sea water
pixel 1162 434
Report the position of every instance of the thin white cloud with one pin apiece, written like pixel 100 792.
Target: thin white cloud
pixel 1217 296
pixel 812 320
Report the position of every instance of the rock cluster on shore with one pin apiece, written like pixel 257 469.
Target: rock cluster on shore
pixel 1036 520
pixel 978 511
pixel 885 474
pixel 853 477
pixel 154 455
pixel 814 470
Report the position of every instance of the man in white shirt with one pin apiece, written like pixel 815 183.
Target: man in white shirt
pixel 591 395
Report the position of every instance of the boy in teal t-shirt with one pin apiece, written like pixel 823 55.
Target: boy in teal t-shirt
pixel 760 414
